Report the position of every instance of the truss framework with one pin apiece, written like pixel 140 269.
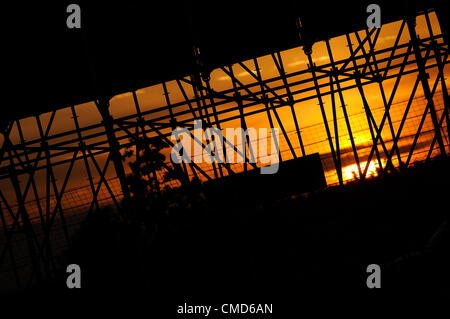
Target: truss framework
pixel 365 65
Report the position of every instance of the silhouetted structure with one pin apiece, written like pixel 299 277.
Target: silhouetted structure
pixel 191 63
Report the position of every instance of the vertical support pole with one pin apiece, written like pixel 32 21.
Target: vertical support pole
pixel 438 57
pixel 43 220
pixel 27 227
pixel 266 105
pixel 10 249
pixel 5 129
pixel 51 177
pixel 247 141
pixel 238 98
pixel 103 108
pixel 423 75
pixel 444 91
pixel 208 121
pixel 369 117
pixel 344 108
pixel 437 53
pixel 419 129
pixel 179 168
pixel 367 111
pixel 183 92
pixel 336 133
pixel 379 80
pixel 33 184
pixel 50 260
pixel 280 67
pixel 402 122
pixel 82 147
pixel 197 98
pixel 216 118
pixel 308 51
pixel 139 125
pixel 196 79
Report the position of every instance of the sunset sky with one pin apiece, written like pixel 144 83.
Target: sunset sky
pixel 308 112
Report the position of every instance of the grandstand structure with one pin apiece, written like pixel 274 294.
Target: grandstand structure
pixel 369 101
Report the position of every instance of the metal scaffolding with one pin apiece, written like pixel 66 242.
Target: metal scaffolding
pixel 365 65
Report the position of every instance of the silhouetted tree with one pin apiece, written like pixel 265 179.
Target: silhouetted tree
pixel 150 179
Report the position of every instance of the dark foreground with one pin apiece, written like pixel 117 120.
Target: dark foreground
pixel 295 253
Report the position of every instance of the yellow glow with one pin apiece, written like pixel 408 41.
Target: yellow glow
pixel 351 171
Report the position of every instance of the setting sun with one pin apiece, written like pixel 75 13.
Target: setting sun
pixel 351 172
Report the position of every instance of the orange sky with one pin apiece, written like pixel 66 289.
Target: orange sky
pixel 308 112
